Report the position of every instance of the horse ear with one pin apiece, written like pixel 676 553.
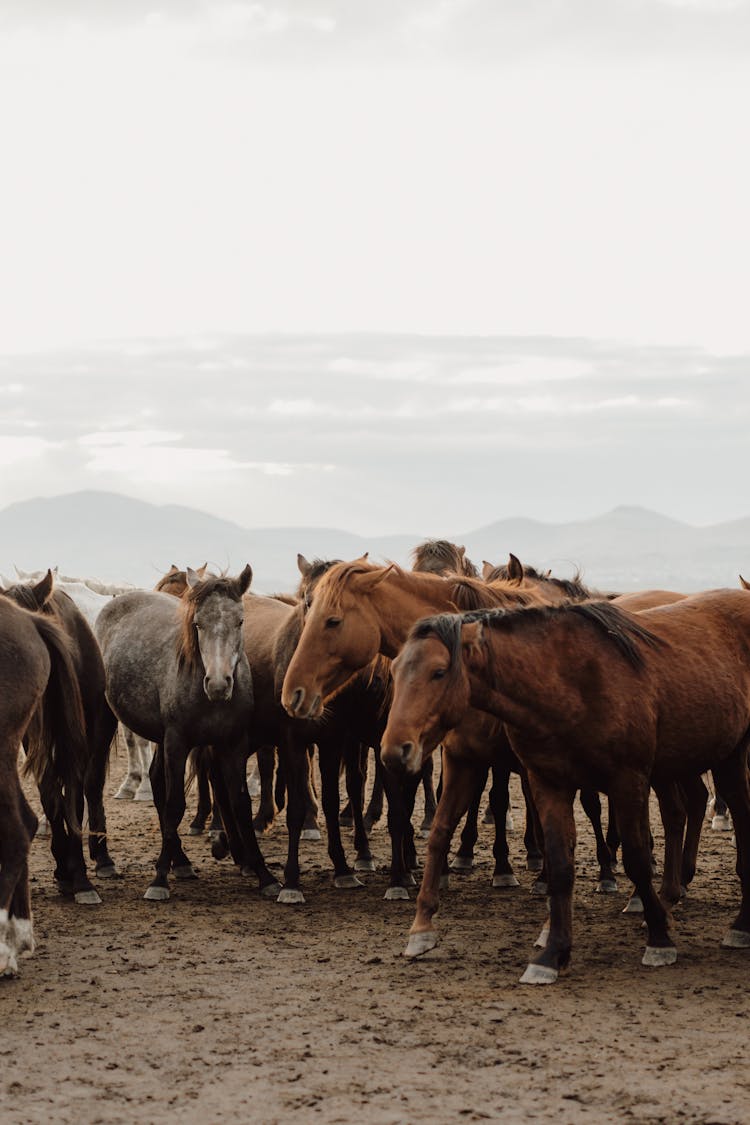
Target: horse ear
pixel 373 578
pixel 42 591
pixel 487 569
pixel 303 566
pixel 172 569
pixel 244 579
pixel 461 552
pixel 515 570
pixel 471 642
pixel 202 570
pixel 744 584
pixel 192 578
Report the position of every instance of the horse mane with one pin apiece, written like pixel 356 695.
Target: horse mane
pixel 573 587
pixel 308 582
pixel 474 593
pixel 622 629
pixel 437 555
pixel 188 653
pixel 335 580
pixel 23 595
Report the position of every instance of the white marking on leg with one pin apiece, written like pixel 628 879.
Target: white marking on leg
pixel 21 936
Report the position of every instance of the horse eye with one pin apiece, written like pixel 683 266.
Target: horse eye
pixel 332 622
pixel 438 674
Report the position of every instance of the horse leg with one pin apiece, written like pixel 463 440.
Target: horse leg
pixel 721 821
pixel 592 806
pixel 264 817
pixel 329 757
pixel 229 778
pixel 430 801
pixel 400 792
pixel 133 778
pixel 143 792
pixel 630 794
pixel 310 830
pixel 21 922
pixel 168 784
pixel 733 779
pixel 613 833
pixel 533 838
pixel 103 731
pixel 356 767
pixel 15 842
pixel 555 808
pixel 375 807
pixel 673 817
pixel 464 857
pixel 694 794
pixel 459 787
pixel 295 763
pixel 503 875
pixel 67 846
pixel 203 811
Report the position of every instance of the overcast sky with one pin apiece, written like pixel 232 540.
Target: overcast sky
pixel 570 178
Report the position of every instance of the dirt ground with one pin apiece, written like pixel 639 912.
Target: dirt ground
pixel 220 1006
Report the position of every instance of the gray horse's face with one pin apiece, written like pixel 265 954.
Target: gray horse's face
pixel 218 621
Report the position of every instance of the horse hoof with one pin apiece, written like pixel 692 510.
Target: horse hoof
pixel 364 865
pixel 424 833
pixel 538 974
pixel 8 961
pixel 509 825
pixel 310 834
pixel 346 822
pixel 606 887
pixel 108 872
pixel 657 955
pixel 290 897
pixel 462 863
pixel 507 879
pixel 396 893
pixel 195 830
pixel 445 882
pixel 144 797
pixel 220 849
pixel 271 890
pixel 721 824
pixel 87 898
pixel 541 941
pixel 408 880
pixel 124 794
pixel 539 887
pixel 346 882
pixel 186 871
pixel 736 939
pixel 420 943
pixel 156 894
pixel 21 936
pixel 534 863
pixel 634 905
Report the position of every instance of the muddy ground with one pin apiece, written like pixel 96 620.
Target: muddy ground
pixel 219 1006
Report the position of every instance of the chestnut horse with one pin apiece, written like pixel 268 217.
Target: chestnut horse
pixel 591 695
pixel 360 611
pixel 101 726
pixel 40 704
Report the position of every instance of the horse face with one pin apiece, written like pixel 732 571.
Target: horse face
pixel 430 697
pixel 336 642
pixel 218 623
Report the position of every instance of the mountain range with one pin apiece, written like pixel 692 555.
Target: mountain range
pixel 116 538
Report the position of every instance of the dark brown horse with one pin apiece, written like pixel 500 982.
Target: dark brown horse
pixel 591 695
pixel 101 725
pixel 40 704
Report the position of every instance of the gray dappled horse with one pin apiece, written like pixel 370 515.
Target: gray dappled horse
pixel 178 675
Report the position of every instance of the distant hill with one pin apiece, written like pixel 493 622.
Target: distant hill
pixel 114 537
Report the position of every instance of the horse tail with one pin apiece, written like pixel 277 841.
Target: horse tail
pixel 199 760
pixel 56 746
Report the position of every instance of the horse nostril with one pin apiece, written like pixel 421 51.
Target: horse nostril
pixel 406 749
pixel 296 700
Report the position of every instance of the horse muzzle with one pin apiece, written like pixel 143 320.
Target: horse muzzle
pixel 218 689
pixel 302 705
pixel 402 757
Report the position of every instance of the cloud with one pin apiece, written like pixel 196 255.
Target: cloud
pixel 15 450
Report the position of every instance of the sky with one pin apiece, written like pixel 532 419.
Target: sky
pixel 207 196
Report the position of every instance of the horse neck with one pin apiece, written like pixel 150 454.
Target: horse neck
pixel 525 684
pixel 402 599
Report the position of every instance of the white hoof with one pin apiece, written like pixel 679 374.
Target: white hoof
pixel 445 882
pixel 156 894
pixel 290 897
pixel 364 865
pixel 538 974
pixel 109 872
pixel 125 793
pixel 43 827
pixel 87 898
pixel 21 936
pixel 144 795
pixel 721 823
pixel 462 863
pixel 606 887
pixel 8 961
pixel 424 833
pixel 396 893
pixel 541 941
pixel 271 890
pixel 346 882
pixel 634 905
pixel 508 879
pixel 186 871
pixel 420 943
pixel 310 834
pixel 509 825
pixel 736 939
pixel 657 955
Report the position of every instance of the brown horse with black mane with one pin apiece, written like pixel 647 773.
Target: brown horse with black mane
pixel 41 704
pixel 591 695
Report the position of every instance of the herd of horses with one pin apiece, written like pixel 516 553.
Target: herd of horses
pixel 511 671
